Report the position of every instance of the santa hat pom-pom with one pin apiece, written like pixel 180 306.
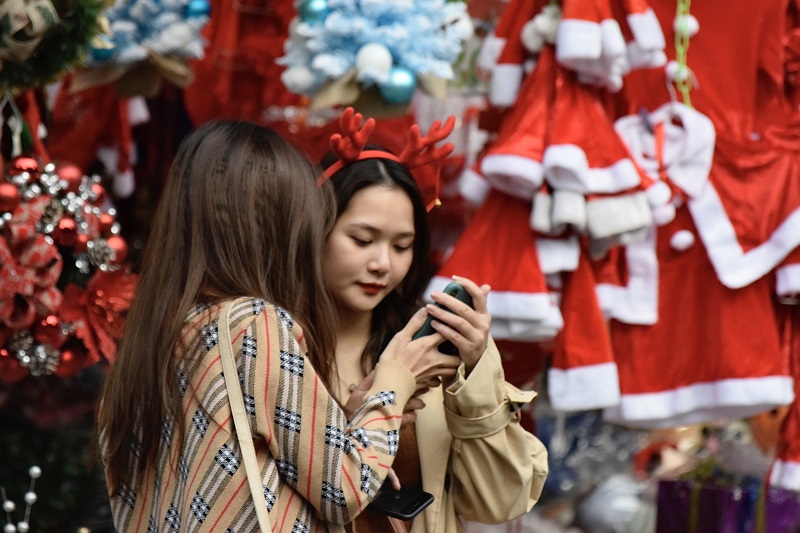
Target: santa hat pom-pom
pixel 682 240
pixel 532 40
pixel 298 79
pixel 686 25
pixel 124 184
pixel 676 73
pixel 663 214
pixel 373 63
pixel 473 187
pixel 658 193
pixel 547 22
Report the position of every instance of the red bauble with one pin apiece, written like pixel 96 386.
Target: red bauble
pixel 9 196
pixel 71 174
pixel 66 232
pixel 49 330
pixel 120 248
pixel 21 164
pixel 98 190
pixel 106 221
pixel 81 241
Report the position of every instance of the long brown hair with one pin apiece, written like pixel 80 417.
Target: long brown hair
pixel 240 216
pixel 392 313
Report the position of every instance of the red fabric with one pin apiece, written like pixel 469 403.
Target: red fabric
pixel 788 447
pixel 705 332
pixel 499 248
pixel 84 121
pixel 238 77
pixel 727 69
pixel 523 130
pixel 585 338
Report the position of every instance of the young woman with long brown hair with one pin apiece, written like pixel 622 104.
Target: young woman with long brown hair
pixel 241 221
pixel 461 439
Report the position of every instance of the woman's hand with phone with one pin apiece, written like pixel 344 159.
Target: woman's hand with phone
pixel 466 327
pixel 420 356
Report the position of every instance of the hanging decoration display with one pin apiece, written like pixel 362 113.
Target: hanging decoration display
pixel 39 40
pixel 340 51
pixel 147 42
pixel 64 282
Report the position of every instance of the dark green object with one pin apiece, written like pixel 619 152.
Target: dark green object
pixel 61 47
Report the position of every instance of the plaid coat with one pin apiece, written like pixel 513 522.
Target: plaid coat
pixel 316 467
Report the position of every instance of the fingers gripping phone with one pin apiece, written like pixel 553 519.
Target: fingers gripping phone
pixel 456 290
pixel 404 504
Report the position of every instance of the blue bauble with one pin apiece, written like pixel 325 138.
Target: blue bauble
pixel 399 87
pixel 198 8
pixel 313 11
pixel 101 54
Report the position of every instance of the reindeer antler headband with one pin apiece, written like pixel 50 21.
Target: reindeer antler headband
pixel 420 156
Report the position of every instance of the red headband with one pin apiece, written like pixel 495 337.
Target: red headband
pixel 420 156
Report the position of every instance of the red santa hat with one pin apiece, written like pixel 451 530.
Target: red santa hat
pixel 513 163
pixel 498 248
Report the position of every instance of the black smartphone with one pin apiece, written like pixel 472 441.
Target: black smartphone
pixel 404 504
pixel 457 291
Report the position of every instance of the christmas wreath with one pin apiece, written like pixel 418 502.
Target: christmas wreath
pixel 41 41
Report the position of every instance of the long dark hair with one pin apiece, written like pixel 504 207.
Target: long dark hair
pixel 240 216
pixel 393 312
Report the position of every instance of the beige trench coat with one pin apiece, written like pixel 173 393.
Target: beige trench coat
pixel 476 459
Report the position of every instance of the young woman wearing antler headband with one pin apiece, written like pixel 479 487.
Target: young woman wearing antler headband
pixel 219 412
pixel 461 439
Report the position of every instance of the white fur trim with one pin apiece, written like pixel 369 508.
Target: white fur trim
pixel 612 40
pixel 614 215
pixel 137 111
pixel 646 30
pixel 531 38
pixel 787 282
pixel 569 209
pixel 702 402
pixel 658 193
pixel 585 387
pixel 640 58
pixel 785 475
pixel 558 255
pixel 124 184
pixel 473 187
pixel 540 213
pixel 663 214
pixel 530 331
pixel 505 304
pixel 566 167
pixel 490 51
pixel 578 40
pixel 637 302
pixel 506 80
pixel 682 240
pixel 513 174
pixel 688 150
pixel 736 268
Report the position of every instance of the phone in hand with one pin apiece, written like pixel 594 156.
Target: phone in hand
pixel 404 504
pixel 456 290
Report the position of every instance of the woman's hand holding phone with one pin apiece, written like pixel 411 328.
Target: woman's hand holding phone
pixel 466 327
pixel 420 356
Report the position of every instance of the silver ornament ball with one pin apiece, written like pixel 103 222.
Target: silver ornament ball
pixel 30 498
pixel 9 506
pixel 35 472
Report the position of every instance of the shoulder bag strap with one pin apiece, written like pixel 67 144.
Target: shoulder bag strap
pixel 241 421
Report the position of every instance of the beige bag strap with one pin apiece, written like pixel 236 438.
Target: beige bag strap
pixel 240 420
